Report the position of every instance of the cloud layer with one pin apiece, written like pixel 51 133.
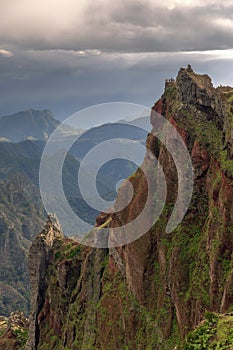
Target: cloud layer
pixel 125 26
pixel 69 54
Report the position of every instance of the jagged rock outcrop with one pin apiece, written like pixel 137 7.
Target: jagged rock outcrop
pixel 38 261
pixel 197 90
pixel 78 274
pixel 152 292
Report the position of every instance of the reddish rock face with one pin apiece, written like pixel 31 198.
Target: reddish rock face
pixel 150 293
pixel 9 341
pixel 209 221
pixel 159 106
pixel 182 132
pixel 200 158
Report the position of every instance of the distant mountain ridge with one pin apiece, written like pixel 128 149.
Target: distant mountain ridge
pixel 141 122
pixel 38 124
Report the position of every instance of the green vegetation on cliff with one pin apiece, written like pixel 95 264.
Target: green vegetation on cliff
pixel 162 291
pixel 214 333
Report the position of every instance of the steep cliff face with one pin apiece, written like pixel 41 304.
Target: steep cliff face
pixel 38 262
pixel 152 292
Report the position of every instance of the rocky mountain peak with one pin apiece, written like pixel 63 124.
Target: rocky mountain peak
pixel 52 230
pixel 198 90
pixel 35 124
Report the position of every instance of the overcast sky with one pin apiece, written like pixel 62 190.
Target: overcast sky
pixel 67 54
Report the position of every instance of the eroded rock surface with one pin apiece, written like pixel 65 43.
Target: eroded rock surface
pixel 148 294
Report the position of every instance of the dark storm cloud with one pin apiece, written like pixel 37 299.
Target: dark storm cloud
pixel 123 26
pixel 141 28
pixel 68 54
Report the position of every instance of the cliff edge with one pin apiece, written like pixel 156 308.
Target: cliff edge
pixel 151 293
